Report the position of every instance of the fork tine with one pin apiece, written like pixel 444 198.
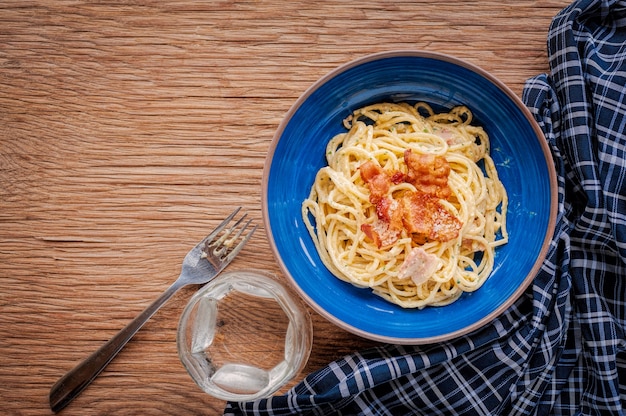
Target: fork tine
pixel 225 242
pixel 243 242
pixel 209 238
pixel 222 244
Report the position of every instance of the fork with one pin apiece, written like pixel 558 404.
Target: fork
pixel 205 261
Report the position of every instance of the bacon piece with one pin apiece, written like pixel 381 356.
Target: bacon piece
pixel 425 216
pixel 377 180
pixel 381 233
pixel 428 173
pixel 386 230
pixel 420 213
pixel 379 187
pixel 388 210
pixel 398 177
pixel 418 265
pixel 369 170
pixel 388 226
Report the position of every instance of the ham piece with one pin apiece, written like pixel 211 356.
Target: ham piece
pixel 419 266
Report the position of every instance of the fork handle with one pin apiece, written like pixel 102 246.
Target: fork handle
pixel 77 379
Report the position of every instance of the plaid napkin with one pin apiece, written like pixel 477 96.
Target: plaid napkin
pixel 560 349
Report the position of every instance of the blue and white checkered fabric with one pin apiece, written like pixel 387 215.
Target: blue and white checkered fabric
pixel 560 349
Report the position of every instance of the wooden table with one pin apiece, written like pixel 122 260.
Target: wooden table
pixel 128 129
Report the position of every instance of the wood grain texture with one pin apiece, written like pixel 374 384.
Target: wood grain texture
pixel 128 129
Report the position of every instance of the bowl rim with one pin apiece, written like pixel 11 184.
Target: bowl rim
pixel 553 185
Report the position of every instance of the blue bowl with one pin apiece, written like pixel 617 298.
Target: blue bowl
pixel 520 153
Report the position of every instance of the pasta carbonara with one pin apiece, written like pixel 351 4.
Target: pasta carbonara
pixel 410 204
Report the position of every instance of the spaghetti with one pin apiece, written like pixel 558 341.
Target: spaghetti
pixel 410 204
